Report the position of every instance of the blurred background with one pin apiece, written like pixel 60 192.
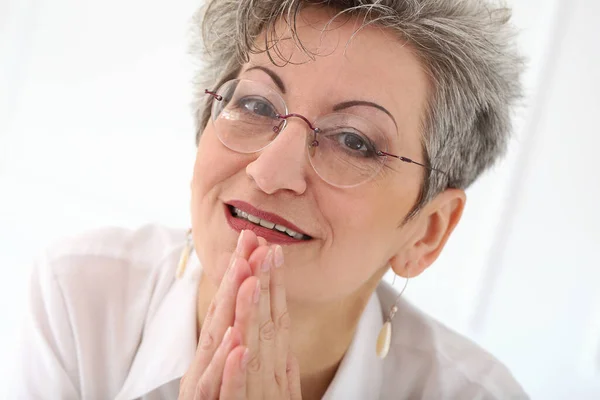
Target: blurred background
pixel 95 130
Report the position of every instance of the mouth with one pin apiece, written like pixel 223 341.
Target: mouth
pixel 273 228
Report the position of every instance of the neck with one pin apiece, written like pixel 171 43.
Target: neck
pixel 320 335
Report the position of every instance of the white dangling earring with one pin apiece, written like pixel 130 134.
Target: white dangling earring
pixel 185 254
pixel 384 339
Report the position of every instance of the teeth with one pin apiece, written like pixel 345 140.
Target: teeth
pixel 291 232
pixel 240 213
pixel 267 224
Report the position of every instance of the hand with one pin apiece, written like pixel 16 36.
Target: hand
pixel 243 351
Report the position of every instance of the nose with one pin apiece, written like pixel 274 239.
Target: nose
pixel 283 165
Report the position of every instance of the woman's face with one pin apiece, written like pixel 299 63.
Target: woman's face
pixel 355 232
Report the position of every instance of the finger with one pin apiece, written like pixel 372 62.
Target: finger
pixel 266 332
pixel 281 318
pixel 260 373
pixel 293 378
pixel 247 243
pixel 264 304
pixel 246 321
pixel 221 310
pixel 256 259
pixel 246 312
pixel 262 241
pixel 233 386
pixel 220 316
pixel 209 385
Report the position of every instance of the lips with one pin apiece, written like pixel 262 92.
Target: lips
pixel 275 229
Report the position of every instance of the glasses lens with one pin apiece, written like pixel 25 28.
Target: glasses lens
pixel 246 119
pixel 346 154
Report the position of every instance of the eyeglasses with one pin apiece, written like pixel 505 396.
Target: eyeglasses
pixel 345 150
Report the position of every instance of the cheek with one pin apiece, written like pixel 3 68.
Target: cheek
pixel 213 169
pixel 352 258
pixel 206 155
pixel 361 233
pixel 364 215
pixel 214 164
pixel 366 228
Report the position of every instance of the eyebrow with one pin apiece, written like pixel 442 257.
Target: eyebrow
pixel 273 76
pixel 338 107
pixel 353 103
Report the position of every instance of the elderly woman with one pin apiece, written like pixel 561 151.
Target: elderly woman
pixel 335 140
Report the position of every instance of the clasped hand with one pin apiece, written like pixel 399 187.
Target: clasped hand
pixel 243 351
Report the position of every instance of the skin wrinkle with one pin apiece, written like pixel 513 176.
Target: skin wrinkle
pixel 456 118
pixel 468 49
pixel 329 279
pixel 338 107
pixel 395 145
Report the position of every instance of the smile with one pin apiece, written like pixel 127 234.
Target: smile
pixel 273 229
pixel 267 224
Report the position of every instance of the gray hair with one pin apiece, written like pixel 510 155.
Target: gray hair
pixel 467 48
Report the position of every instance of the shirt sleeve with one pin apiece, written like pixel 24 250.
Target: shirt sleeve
pixel 46 364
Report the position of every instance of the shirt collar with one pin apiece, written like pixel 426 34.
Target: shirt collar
pixel 360 373
pixel 169 340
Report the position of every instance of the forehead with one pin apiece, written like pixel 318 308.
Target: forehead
pixel 345 63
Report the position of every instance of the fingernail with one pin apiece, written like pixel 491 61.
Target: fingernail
pixel 245 359
pixel 278 256
pixel 238 247
pixel 266 265
pixel 256 292
pixel 232 269
pixel 226 336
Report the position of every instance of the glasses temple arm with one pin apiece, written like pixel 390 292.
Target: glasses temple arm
pixel 379 152
pixel 408 160
pixel 213 94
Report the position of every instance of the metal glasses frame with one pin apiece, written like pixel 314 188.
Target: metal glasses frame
pixel 316 130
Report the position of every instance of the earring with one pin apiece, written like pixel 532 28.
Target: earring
pixel 185 254
pixel 384 339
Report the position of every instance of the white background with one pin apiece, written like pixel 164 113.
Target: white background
pixel 95 130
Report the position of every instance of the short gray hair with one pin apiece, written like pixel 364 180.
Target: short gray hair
pixel 467 48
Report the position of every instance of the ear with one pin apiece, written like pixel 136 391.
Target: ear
pixel 430 230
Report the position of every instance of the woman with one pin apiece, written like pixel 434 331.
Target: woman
pixel 334 143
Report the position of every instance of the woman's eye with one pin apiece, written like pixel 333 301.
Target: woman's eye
pixel 259 107
pixel 355 143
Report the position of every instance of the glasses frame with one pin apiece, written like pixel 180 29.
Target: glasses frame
pixel 315 142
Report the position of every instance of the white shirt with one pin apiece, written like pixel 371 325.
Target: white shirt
pixel 108 320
